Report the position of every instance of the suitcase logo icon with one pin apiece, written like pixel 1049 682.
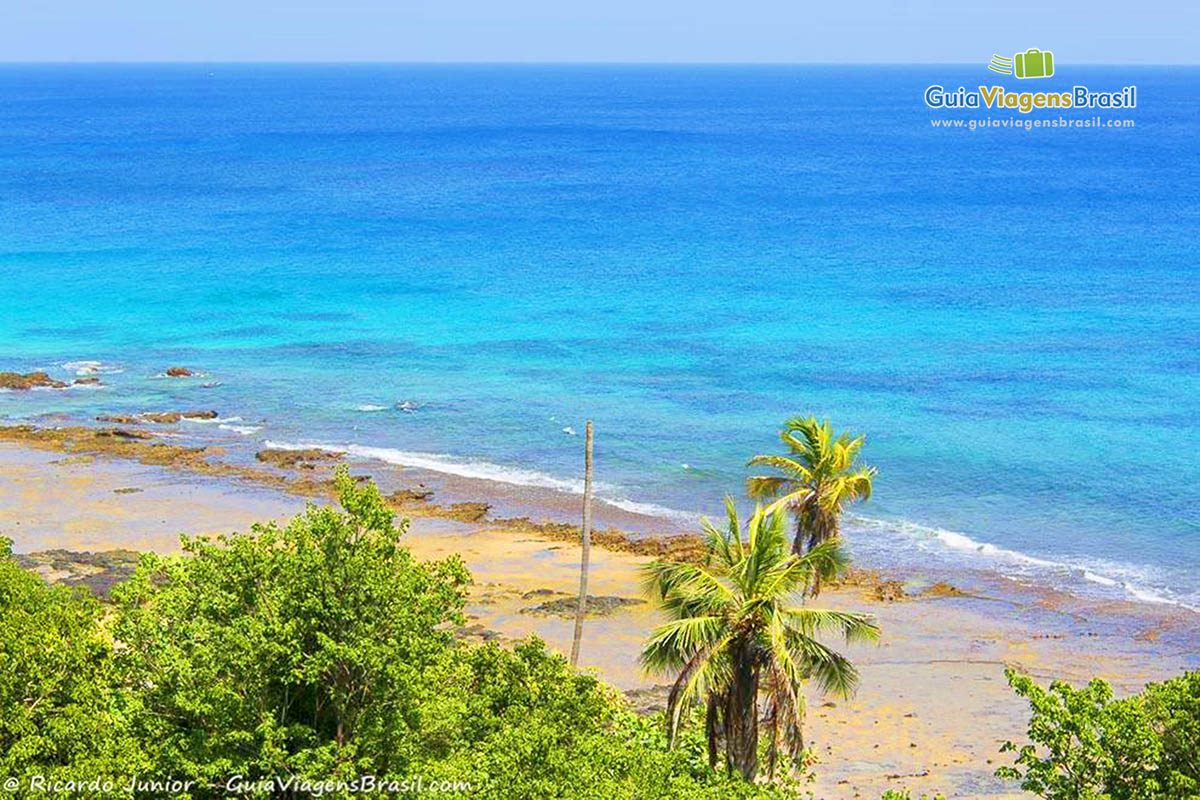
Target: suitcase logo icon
pixel 1033 63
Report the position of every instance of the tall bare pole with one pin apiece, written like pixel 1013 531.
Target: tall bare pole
pixel 581 606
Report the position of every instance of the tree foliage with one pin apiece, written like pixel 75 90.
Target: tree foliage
pixel 733 634
pixel 816 480
pixel 60 714
pixel 320 650
pixel 1087 745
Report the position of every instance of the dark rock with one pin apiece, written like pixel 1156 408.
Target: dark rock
pixel 649 700
pixel 30 380
pixel 96 572
pixel 86 381
pixel 602 606
pixel 160 417
pixel 943 589
pixel 888 592
pixel 170 417
pixel 119 419
pixel 296 459
pixel 179 372
pixel 468 512
pixel 121 433
pixel 405 497
pixel 477 632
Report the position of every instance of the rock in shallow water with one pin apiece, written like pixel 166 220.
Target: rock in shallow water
pixel 30 380
pixel 296 459
pixel 601 606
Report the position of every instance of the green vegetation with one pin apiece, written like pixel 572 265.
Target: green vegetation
pixel 59 711
pixel 732 636
pixel 307 657
pixel 820 477
pixel 316 651
pixel 1086 745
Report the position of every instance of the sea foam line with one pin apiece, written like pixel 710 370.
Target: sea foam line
pixel 91 368
pixel 994 556
pixel 1129 578
pixel 484 470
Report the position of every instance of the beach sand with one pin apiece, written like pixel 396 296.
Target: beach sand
pixel 930 714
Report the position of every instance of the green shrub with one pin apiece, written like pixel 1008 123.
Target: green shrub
pixel 1086 745
pixel 298 650
pixel 60 715
pixel 320 650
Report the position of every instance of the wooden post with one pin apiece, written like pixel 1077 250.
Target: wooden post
pixel 581 606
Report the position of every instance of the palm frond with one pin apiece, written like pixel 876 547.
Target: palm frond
pixel 826 560
pixel 725 544
pixel 851 626
pixel 696 679
pixel 790 467
pixel 833 672
pixel 691 584
pixel 674 643
pixel 765 487
pixel 793 501
pixel 784 685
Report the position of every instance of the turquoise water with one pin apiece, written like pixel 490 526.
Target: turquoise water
pixel 686 254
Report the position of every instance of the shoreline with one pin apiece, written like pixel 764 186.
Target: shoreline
pixel 158 438
pixel 933 706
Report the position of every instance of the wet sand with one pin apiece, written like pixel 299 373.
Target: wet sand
pixel 930 714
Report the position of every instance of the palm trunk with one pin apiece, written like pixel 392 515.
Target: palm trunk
pixel 814 526
pixel 712 726
pixel 586 537
pixel 741 716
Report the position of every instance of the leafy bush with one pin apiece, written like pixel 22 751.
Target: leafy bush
pixel 299 650
pixel 59 711
pixel 319 650
pixel 1086 745
pixel 521 724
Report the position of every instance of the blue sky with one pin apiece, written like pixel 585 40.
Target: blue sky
pixel 1154 31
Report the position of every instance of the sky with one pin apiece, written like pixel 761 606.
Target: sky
pixel 937 31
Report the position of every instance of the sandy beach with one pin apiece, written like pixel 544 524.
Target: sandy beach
pixel 930 715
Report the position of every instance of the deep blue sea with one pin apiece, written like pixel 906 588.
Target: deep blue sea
pixel 458 264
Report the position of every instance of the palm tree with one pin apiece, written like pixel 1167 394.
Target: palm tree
pixel 819 478
pixel 733 635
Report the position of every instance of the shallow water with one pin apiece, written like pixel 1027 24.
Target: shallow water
pixel 456 265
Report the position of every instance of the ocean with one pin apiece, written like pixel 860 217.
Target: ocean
pixel 452 267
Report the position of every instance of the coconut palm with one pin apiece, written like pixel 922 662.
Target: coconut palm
pixel 734 635
pixel 819 478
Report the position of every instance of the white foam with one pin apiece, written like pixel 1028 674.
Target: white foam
pixel 183 378
pixel 484 470
pixel 244 430
pixel 1148 596
pixel 653 510
pixel 212 421
pixel 1088 575
pixel 370 407
pixel 1134 582
pixel 84 368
